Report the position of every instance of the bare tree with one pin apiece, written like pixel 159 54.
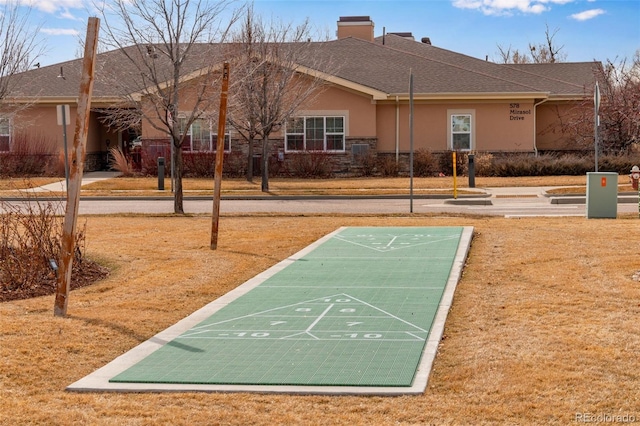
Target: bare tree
pixel 620 108
pixel 619 130
pixel 546 52
pixel 19 49
pixel 276 69
pixel 511 56
pixel 170 58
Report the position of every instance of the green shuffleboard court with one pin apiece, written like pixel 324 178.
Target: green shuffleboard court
pixel 353 313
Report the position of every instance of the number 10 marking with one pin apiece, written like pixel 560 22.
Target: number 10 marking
pixel 244 334
pixel 366 336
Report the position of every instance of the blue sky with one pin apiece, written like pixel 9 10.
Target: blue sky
pixel 588 29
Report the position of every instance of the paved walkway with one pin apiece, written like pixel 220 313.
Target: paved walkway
pixel 537 191
pixel 87 178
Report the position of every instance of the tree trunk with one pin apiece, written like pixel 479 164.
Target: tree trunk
pixel 249 173
pixel 177 190
pixel 265 163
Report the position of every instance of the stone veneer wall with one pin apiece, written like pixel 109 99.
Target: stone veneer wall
pixel 94 161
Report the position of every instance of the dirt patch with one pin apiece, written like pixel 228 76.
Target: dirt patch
pixel 85 273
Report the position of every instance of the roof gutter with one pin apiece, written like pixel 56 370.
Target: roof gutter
pixel 57 100
pixel 474 96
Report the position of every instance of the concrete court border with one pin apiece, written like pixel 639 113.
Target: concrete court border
pixel 98 381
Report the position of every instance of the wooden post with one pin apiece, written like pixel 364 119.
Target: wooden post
pixel 76 168
pixel 222 118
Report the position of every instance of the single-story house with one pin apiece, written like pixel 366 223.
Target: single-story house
pixel 460 102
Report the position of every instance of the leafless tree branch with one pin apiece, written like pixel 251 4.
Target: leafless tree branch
pixel 19 49
pixel 169 62
pixel 273 66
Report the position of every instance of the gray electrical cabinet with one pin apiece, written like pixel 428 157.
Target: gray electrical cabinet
pixel 602 195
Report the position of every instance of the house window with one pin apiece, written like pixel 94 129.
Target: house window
pixel 199 136
pixel 5 135
pixel 461 134
pixel 315 134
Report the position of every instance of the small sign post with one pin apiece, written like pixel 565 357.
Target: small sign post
pixel 64 120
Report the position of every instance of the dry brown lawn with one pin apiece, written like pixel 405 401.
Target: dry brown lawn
pixel 544 325
pixel 148 186
pixel 341 186
pixel 9 184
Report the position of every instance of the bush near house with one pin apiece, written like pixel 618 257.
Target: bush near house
pixel 31 244
pixel 31 157
pixel 311 164
pixel 425 163
pixel 555 164
pixel 388 166
pixel 40 158
pixel 528 164
pixel 366 163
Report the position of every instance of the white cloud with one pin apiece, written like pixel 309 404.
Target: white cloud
pixel 60 31
pixel 52 6
pixel 507 7
pixel 587 14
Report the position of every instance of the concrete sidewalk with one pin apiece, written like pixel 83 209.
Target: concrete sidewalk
pixel 484 196
pixel 87 178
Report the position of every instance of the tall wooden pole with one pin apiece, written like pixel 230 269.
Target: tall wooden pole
pixel 76 168
pixel 222 118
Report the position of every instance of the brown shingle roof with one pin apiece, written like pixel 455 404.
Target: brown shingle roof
pixel 557 79
pixel 384 68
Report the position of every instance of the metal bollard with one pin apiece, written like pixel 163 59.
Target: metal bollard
pixel 472 171
pixel 161 173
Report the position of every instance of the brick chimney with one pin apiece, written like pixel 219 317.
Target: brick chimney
pixel 355 26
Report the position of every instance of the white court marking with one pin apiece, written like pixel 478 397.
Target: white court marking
pixel 335 317
pixel 390 242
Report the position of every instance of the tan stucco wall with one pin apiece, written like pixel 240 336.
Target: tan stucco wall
pixel 41 121
pixel 505 126
pixel 360 111
pixel 189 92
pixel 496 125
pixel 550 130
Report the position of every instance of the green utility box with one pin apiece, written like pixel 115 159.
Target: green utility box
pixel 602 195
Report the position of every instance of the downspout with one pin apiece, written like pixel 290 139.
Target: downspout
pixel 397 130
pixel 535 125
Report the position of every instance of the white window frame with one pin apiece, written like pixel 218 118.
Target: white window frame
pixel 324 118
pixel 6 127
pixel 212 135
pixel 452 131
